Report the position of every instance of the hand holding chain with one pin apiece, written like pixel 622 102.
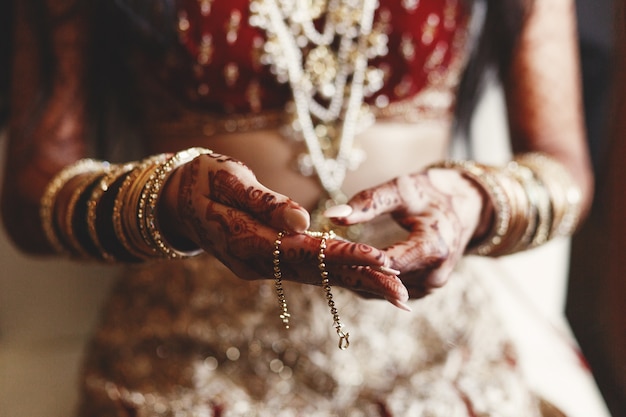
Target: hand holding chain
pixel 344 340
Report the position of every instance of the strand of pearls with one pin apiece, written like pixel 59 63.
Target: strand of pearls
pixel 303 56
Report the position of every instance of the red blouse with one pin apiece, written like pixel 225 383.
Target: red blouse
pixel 219 62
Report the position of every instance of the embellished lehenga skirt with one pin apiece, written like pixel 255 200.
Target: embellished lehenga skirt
pixel 189 338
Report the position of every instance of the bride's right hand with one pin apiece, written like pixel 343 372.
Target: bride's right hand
pixel 215 202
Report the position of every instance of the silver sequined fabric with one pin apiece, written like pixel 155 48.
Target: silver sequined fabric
pixel 188 338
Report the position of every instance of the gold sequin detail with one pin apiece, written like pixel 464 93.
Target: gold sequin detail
pixel 232 28
pixel 205 7
pixel 205 55
pixel 231 73
pixel 407 47
pixel 410 5
pixel 429 29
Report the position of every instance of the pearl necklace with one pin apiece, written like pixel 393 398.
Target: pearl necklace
pixel 328 73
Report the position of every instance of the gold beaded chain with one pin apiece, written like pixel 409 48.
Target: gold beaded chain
pixel 278 282
pixel 344 340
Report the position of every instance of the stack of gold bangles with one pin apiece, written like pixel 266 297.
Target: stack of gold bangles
pixel 111 214
pixel 534 200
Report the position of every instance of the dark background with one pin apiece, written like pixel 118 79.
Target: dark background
pixel 596 304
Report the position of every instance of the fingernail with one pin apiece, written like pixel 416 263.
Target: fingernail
pixel 297 220
pixel 399 304
pixel 341 210
pixel 386 270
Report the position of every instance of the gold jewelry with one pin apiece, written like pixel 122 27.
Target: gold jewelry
pixel 133 213
pixel 73 228
pixel 147 207
pixel 48 200
pixel 540 216
pixel 278 282
pixel 124 226
pixel 344 340
pixel 483 176
pixel 302 55
pixel 75 219
pixel 534 199
pixel 93 205
pixel 529 217
pixel 564 193
pixel 344 337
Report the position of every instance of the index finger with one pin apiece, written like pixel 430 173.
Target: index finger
pixel 303 247
pixel 389 197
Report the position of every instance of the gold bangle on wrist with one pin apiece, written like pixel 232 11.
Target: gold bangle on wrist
pixel 130 193
pixel 147 207
pixel 483 176
pixel 534 200
pixel 534 209
pixel 520 213
pixel 134 212
pixel 48 200
pixel 75 222
pixel 125 212
pixel 564 194
pixel 93 207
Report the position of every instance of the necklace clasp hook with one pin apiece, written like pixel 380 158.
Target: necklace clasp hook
pixel 344 341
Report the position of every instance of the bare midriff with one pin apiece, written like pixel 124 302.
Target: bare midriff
pixel 392 149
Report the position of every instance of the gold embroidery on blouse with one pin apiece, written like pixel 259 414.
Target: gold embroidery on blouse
pixel 205 7
pixel 232 27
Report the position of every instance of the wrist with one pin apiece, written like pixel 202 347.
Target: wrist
pixel 170 216
pixel 98 211
pixel 525 204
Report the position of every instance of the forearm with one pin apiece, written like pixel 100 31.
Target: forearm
pixel 47 125
pixel 544 93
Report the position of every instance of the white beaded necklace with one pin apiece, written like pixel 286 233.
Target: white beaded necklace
pixel 329 64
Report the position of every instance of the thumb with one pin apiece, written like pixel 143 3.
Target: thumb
pixel 241 190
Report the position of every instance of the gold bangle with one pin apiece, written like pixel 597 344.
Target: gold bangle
pixel 97 195
pixel 122 210
pixel 564 194
pixel 78 237
pixel 534 213
pixel 519 212
pixel 481 175
pixel 133 214
pixel 49 197
pixel 147 207
pixel 534 199
pixel 544 213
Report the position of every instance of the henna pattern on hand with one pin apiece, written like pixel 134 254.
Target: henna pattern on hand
pixel 188 179
pixel 228 189
pixel 220 208
pixel 433 212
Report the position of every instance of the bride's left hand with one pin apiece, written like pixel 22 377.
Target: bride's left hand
pixel 441 209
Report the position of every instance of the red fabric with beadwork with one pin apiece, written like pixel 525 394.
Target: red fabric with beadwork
pixel 219 63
